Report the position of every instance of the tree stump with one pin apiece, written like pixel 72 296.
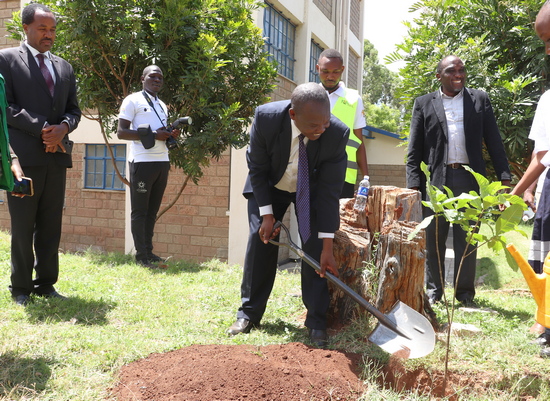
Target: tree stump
pixel 375 257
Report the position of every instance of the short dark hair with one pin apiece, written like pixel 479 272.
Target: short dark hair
pixel 332 53
pixel 308 92
pixel 27 15
pixel 149 68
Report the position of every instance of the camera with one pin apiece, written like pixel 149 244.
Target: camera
pixel 171 142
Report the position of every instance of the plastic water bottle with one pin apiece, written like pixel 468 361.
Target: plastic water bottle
pixel 528 214
pixel 362 193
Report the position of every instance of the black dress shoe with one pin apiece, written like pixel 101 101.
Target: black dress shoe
pixel 22 300
pixel 155 258
pixel 147 263
pixel 468 303
pixel 319 338
pixel 53 294
pixel 543 340
pixel 241 325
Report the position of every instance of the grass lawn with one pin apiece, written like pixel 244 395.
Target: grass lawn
pixel 119 312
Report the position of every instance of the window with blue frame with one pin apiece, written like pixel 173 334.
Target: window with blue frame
pixel 314 53
pixel 279 35
pixel 99 172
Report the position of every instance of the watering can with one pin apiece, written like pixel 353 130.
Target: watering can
pixel 539 284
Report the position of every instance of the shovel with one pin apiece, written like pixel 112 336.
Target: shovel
pixel 402 332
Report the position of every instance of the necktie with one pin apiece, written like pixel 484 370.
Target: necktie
pixel 45 72
pixel 302 192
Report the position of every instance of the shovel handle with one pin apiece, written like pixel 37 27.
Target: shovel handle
pixel 339 283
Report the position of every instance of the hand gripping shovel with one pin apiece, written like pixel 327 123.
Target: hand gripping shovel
pixel 403 331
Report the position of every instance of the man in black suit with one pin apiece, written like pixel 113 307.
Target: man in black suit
pixel 271 186
pixel 448 129
pixel 43 109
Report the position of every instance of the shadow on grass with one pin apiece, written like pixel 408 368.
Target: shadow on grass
pixel 293 332
pixel 486 267
pixel 508 314
pixel 22 377
pixel 171 266
pixel 75 310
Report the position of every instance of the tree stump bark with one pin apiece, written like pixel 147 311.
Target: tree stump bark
pixel 375 257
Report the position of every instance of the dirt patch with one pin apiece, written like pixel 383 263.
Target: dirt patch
pixel 284 372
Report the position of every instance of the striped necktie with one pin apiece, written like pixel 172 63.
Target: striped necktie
pixel 45 72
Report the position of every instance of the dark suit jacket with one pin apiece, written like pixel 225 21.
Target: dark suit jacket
pixel 31 104
pixel 428 138
pixel 268 155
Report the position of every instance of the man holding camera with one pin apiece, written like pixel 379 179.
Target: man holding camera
pixel 148 159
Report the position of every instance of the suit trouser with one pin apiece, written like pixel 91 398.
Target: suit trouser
pixel 36 222
pixel 348 190
pixel 260 268
pixel 147 184
pixel 459 181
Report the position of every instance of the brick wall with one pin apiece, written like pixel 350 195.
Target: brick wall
pixel 195 228
pixel 91 218
pixel 6 10
pixel 283 90
pixel 326 7
pixel 385 174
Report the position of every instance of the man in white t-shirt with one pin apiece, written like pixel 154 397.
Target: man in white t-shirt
pixel 149 167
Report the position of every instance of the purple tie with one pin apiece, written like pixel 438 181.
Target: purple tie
pixel 45 72
pixel 302 192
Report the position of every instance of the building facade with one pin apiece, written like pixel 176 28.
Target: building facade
pixel 209 220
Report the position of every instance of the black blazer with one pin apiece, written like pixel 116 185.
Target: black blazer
pixel 428 138
pixel 31 104
pixel 268 155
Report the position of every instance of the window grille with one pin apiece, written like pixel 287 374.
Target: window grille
pixel 280 35
pixel 99 172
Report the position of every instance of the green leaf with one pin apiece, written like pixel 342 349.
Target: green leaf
pixel 422 225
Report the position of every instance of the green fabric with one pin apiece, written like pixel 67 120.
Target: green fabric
pixel 345 109
pixel 6 177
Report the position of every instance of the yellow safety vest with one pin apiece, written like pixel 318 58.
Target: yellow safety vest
pixel 345 109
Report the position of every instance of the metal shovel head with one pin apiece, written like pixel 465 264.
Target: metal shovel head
pixel 416 326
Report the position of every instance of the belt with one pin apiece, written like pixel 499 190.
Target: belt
pixel 456 165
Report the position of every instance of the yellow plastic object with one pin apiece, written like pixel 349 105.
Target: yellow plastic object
pixel 539 284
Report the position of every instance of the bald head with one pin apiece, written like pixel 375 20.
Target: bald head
pixel 310 110
pixel 309 93
pixel 542 26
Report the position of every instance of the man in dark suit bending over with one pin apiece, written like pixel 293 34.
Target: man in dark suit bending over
pixel 43 109
pixel 448 129
pixel 273 182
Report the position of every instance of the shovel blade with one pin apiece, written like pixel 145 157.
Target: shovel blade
pixel 415 325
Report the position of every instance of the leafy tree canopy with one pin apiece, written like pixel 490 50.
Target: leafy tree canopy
pixel 379 82
pixel 502 54
pixel 210 51
pixel 382 108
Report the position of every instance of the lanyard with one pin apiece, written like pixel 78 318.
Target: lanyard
pixel 146 96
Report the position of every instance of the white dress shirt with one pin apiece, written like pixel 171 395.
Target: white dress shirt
pixel 288 180
pixel 47 60
pixel 454 112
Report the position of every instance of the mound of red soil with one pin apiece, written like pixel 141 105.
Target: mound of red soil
pixel 284 372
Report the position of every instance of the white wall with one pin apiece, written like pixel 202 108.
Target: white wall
pixel 385 150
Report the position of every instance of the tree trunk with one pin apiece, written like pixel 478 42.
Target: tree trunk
pixel 376 259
